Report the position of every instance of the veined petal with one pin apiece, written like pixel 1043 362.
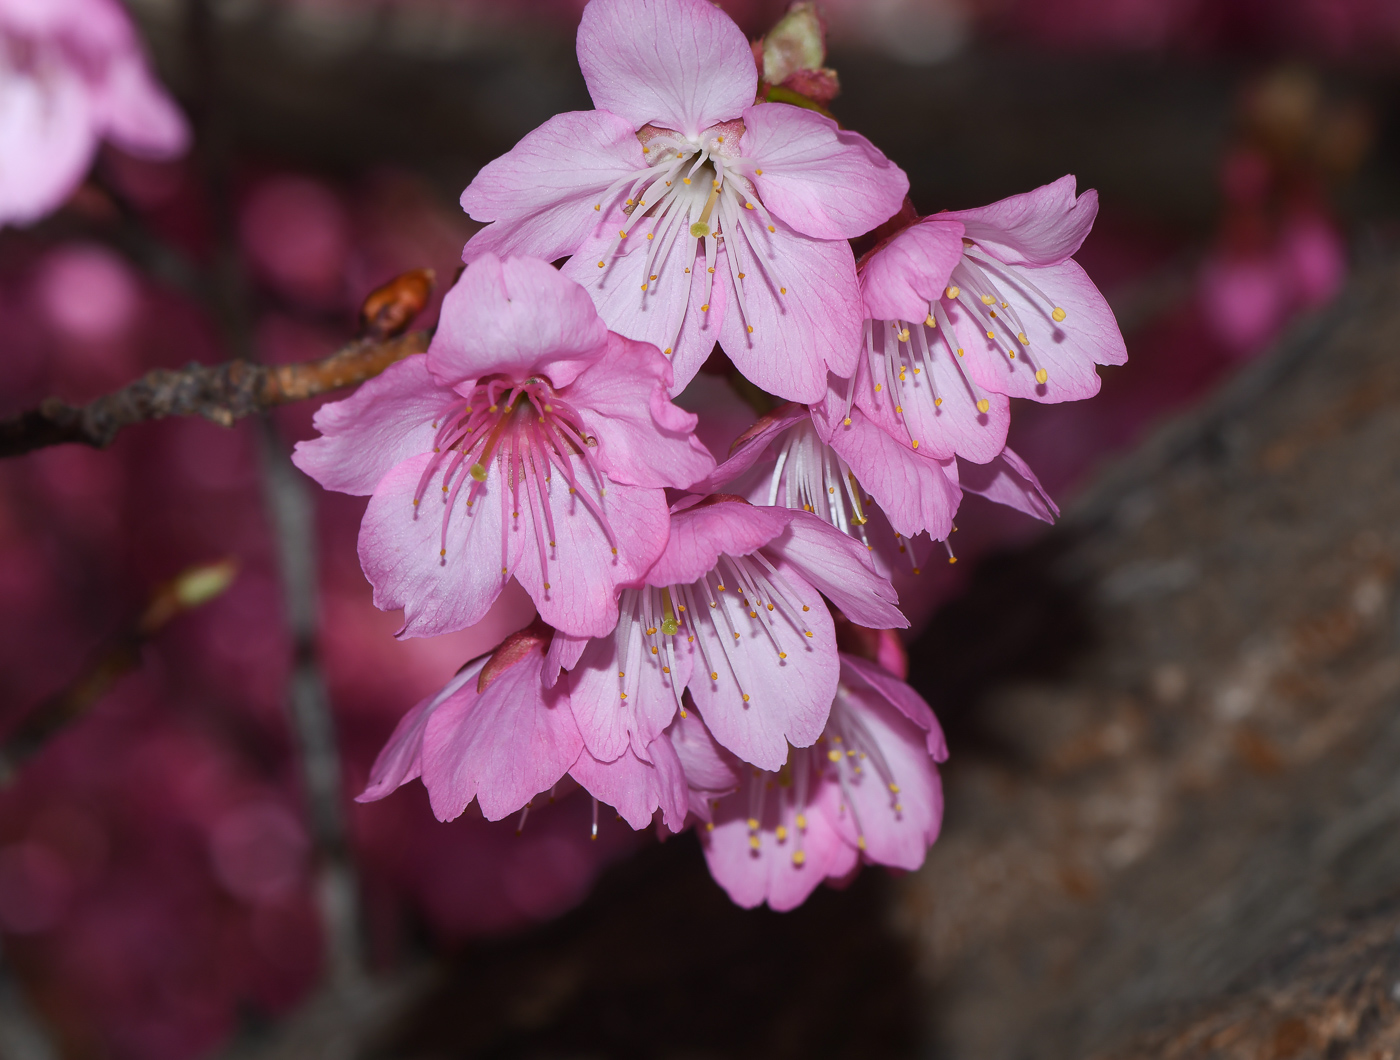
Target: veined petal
pixel 857 672
pixel 710 770
pixel 643 439
pixel 751 446
pixel 824 181
pixel 636 789
pixel 1066 350
pixel 623 694
pixel 914 491
pixel 800 314
pixel 401 759
pixel 540 195
pixel 837 566
pixel 680 64
pixel 700 535
pixel 516 317
pixel 402 551
pixel 900 279
pixel 502 746
pixel 1040 227
pixel 387 420
pixel 1009 480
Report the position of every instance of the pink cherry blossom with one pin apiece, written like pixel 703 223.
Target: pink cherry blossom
pixel 867 790
pixel 733 613
pixel 965 309
pixel 693 214
pixel 71 74
pixel 529 441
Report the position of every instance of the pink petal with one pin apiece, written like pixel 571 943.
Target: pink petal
pixel 802 300
pixel 901 278
pixel 754 701
pixel 769 872
pixel 1040 227
pixel 643 439
pixel 538 204
pixel 857 673
pixel 752 445
pixel 1009 480
pixel 48 135
pixel 837 566
pixel 1067 350
pixel 682 64
pixel 710 770
pixel 400 551
pixel 578 591
pixel 402 756
pixel 939 406
pixel 563 654
pixel 136 113
pixel 700 535
pixel 385 422
pixel 894 828
pixel 501 747
pixel 914 491
pixel 609 721
pixel 516 318
pixel 824 181
pixel 637 789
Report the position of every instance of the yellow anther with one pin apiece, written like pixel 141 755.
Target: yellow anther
pixel 686 180
pixel 746 695
pixel 847 421
pixel 621 234
pixel 753 841
pixel 705 308
pixel 899 409
pixel 879 387
pixel 743 275
pixel 960 352
pixel 952 292
pixel 929 322
pixel 806 608
pixel 983 405
pixel 1024 341
pixel 714 675
pixel 903 334
pixel 780 832
pixel 782 290
pixel 599 206
pixel 667 351
pixel 750 329
pixel 801 821
pixel 1057 314
pixel 860 842
pixel 443 552
pixel 991 334
pixel 834 756
pixel 1041 376
pixel 644 287
pixel 782 655
pixel 894 788
pixel 798 857
pixel 758 172
pixel 988 300
pixel 651 235
pixel 771 228
pixel 916 443
pixel 937 402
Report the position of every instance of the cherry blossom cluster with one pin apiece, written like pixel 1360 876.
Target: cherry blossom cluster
pixel 702 652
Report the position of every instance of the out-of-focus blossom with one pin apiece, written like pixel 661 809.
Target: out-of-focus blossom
pixel 88 293
pixel 866 790
pixel 557 434
pixel 297 234
pixel 72 74
pixel 692 214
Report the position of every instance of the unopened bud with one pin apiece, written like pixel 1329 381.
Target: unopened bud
pixel 389 310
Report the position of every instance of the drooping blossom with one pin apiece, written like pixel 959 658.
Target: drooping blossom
pixel 529 441
pixel 733 613
pixel 693 214
pixel 866 790
pixel 969 308
pixel 72 74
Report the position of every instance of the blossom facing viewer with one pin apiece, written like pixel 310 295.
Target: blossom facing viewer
pixel 867 790
pixel 528 442
pixel 693 214
pixel 966 309
pixel 72 73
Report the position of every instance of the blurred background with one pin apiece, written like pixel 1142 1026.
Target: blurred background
pixel 170 885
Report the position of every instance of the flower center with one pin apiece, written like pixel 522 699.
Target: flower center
pixel 527 431
pixel 810 475
pixel 697 189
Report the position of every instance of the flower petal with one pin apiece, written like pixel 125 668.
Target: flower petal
pixel 621 693
pixel 682 64
pixel 837 566
pixel 913 490
pixel 754 700
pixel 540 195
pixel 502 747
pixel 802 302
pixel 136 113
pixel 1009 480
pixel 383 423
pixel 577 593
pixel 643 439
pixel 401 758
pixel 637 789
pixel 901 278
pixel 710 770
pixel 824 181
pixel 781 872
pixel 516 317
pixel 1040 227
pixel 857 673
pixel 700 535
pixel 752 445
pixel 1067 351
pixel 401 551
